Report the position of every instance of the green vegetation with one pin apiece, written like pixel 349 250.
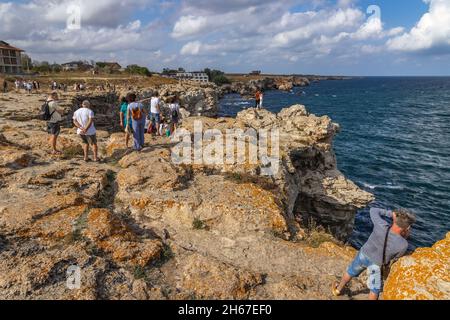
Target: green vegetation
pixel 317 235
pixel 199 224
pixel 217 76
pixel 138 70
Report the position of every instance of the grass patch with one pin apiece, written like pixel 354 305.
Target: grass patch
pixel 199 224
pixel 77 229
pixel 139 273
pixel 316 235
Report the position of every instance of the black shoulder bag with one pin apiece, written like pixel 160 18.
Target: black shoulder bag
pixel 385 266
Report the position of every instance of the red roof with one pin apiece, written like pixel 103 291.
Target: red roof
pixel 5 45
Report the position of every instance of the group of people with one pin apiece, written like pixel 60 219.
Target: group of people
pixel 83 120
pixel 136 120
pixel 58 86
pixel 27 85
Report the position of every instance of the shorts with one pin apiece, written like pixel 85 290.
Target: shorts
pixel 155 117
pixel 53 129
pixel 92 140
pixel 361 263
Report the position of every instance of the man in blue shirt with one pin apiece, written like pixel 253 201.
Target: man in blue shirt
pixel 385 238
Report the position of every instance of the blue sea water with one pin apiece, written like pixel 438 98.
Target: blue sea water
pixel 395 143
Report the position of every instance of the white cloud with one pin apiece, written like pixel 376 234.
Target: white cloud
pixel 432 32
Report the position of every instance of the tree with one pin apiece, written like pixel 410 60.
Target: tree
pixel 135 69
pixel 26 62
pixel 217 76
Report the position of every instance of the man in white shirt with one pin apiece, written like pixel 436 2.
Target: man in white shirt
pixel 155 110
pixel 83 119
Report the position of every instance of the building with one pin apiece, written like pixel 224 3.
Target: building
pixel 10 59
pixel 76 66
pixel 193 76
pixel 255 73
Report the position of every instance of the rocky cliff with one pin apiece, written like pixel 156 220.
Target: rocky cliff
pixel 137 226
pixel 248 88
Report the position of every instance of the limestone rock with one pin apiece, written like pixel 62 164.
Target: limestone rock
pixel 424 275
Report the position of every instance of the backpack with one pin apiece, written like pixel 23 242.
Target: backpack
pixel 174 114
pixel 136 114
pixel 46 115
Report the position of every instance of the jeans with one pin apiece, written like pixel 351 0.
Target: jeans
pixel 361 263
pixel 138 133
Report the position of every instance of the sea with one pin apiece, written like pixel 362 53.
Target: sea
pixel 394 143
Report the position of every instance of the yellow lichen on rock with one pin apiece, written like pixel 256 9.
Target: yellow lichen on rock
pixel 112 235
pixel 424 275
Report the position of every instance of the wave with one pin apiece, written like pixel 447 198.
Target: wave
pixel 386 186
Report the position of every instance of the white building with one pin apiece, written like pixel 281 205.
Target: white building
pixel 10 59
pixel 193 76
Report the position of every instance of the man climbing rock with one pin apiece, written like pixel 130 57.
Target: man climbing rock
pixel 386 243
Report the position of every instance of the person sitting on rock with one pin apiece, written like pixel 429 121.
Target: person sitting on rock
pixel 386 243
pixel 83 119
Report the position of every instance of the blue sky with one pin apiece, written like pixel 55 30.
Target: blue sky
pixel 407 37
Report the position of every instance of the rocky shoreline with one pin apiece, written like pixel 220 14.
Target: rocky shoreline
pixel 140 227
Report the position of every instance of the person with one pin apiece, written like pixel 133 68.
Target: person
pixel 386 243
pixel 53 124
pixel 257 99
pixel 155 110
pixel 137 114
pixel 5 86
pixel 174 114
pixel 83 119
pixel 261 99
pixel 124 120
pixel 29 86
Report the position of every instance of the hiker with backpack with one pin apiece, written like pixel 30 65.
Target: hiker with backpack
pixel 174 107
pixel 137 114
pixel 83 119
pixel 52 114
pixel 387 243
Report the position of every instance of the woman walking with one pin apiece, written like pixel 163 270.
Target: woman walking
pixel 124 121
pixel 137 115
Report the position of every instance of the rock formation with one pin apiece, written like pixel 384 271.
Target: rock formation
pixel 248 89
pixel 139 226
pixel 424 275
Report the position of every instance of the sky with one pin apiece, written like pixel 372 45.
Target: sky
pixel 341 37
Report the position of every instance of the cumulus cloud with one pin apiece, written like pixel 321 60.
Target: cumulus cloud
pixel 197 33
pixel 431 33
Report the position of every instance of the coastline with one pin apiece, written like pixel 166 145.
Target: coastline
pixel 135 223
